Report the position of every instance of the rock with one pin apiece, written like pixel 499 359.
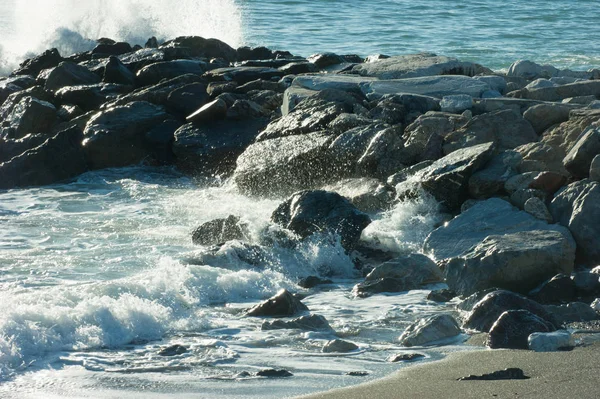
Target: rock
pixel 157 94
pixel 339 346
pixel 512 373
pixel 538 83
pixel 586 283
pixel 154 73
pixel 116 72
pixel 218 231
pixel 558 289
pixel 537 208
pixel 90 97
pixel 540 156
pixel 307 323
pixel 284 165
pixel 297 68
pixel 416 65
pixel 118 48
pixel 447 178
pixel 520 182
pixel 33 66
pixel 401 274
pixel 558 93
pixel 272 373
pixel 188 98
pixel 530 70
pixel 456 103
pixel 254 53
pixel 160 140
pixel 576 207
pixel 70 74
pixel 596 305
pixel 212 148
pixel 324 60
pixel 116 137
pixel 595 169
pixel 443 295
pixel 550 342
pixel 58 158
pixel 572 312
pixel 564 136
pixel 243 75
pixel 309 212
pixel 431 329
pixel 260 85
pixel 203 48
pixel 434 86
pixel 506 128
pixel 366 194
pixel 491 180
pixel 384 154
pixel 579 159
pixel 489 308
pixel 212 111
pixel 10 148
pixel 313 281
pixel 245 109
pixel 549 182
pixel 520 197
pixel 281 305
pixel 542 116
pixel 344 122
pixel 30 115
pixel 513 327
pixel 173 350
pixel 405 357
pixel 406 173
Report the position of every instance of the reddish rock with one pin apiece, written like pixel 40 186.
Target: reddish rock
pixel 549 182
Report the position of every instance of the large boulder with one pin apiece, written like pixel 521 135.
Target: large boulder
pixel 213 148
pixel 564 136
pixel 33 66
pixel 576 207
pixel 30 115
pixel 430 330
pixel 205 48
pixel 188 98
pixel 540 156
pixel 417 65
pixel 154 73
pixel 218 231
pixel 157 94
pixel 506 128
pixel 491 180
pixel 558 93
pixel 579 159
pixel 309 212
pixel 243 75
pixel 512 329
pixel 116 72
pixel 283 304
pixel 58 158
pixel 90 97
pixel 434 86
pixel 312 322
pixel 367 194
pixel 542 116
pixel 70 74
pixel 116 137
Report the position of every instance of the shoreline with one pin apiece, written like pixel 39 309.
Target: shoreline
pixel 559 375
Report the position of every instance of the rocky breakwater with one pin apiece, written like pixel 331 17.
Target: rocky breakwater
pixel 512 159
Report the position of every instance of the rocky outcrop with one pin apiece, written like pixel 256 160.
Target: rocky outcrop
pixel 429 330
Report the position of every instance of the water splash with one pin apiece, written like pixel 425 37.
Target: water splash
pixel 72 26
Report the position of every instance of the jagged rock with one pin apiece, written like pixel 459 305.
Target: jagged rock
pixel 406 173
pixel 565 135
pixel 157 94
pixel 430 329
pixel 576 207
pixel 542 116
pixel 188 98
pixel 213 111
pixel 69 112
pixel 491 180
pixel 572 312
pixel 269 100
pixel 58 158
pixel 90 97
pixel 308 212
pixel 48 59
pixel 511 373
pixel 70 74
pixel 367 194
pixel 579 158
pixel 339 346
pixel 212 148
pixel 548 182
pixel 447 178
pixel 281 305
pixel 245 109
pixel 297 68
pixel 160 139
pixel 106 49
pixel 307 323
pixel 384 154
pixel 416 65
pixel 595 169
pixel 540 156
pixel 154 73
pixel 30 115
pixel 537 208
pixel 10 148
pixel 116 137
pixel 203 48
pixel 324 60
pixel 550 342
pixel 506 128
pixel 243 75
pixel 400 274
pixel 116 72
pixel 513 327
pixel 457 103
pixel 218 231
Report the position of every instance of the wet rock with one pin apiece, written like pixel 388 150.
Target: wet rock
pixel 173 350
pixel 116 72
pixel 154 73
pixel 443 295
pixel 405 357
pixel 160 139
pixel 106 49
pixel 366 194
pixel 188 98
pixel 401 274
pixel 10 148
pixel 542 116
pixel 90 97
pixel 33 66
pixel 485 312
pixel 579 158
pixel 558 289
pixel 384 154
pixel 595 169
pixel 513 327
pixel 447 178
pixel 218 231
pixel 312 281
pixel 512 373
pixel 68 112
pixel 576 207
pixel 324 60
pixel 406 173
pixel 70 74
pixel 306 323
pixel 537 208
pixel 116 137
pixel 243 75
pixel 573 312
pixel 30 115
pixel 297 68
pixel 309 212
pixel 272 373
pixel 550 342
pixel 358 373
pixel 157 94
pixel 245 109
pixel 203 48
pixel 339 346
pixel 506 128
pixel 416 65
pixel 212 148
pixel 213 111
pixel 457 103
pixel 56 159
pixel 491 180
pixel 283 304
pixel 586 283
pixel 429 330
pixel 254 53
pixel 215 89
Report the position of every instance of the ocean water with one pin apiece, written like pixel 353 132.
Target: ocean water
pixel 98 274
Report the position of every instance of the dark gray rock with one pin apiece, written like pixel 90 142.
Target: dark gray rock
pixel 579 158
pixel 490 180
pixel 558 289
pixel 243 75
pixel 30 115
pixel 512 373
pixel 154 73
pixel 188 98
pixel 281 305
pixel 33 66
pixel 367 194
pixel 173 350
pixel 487 310
pixel 213 111
pixel 297 68
pixel 10 148
pixel 513 327
pixel 313 281
pixel 90 97
pixel 309 212
pixel 218 231
pixel 157 94
pixel 108 49
pixel 595 169
pixel 244 110
pixel 312 322
pixel 70 74
pixel 116 72
pixel 543 116
pixel 272 373
pixel 443 295
pixel 203 48
pixel 573 312
pixel 430 329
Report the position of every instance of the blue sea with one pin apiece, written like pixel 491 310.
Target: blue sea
pixel 97 275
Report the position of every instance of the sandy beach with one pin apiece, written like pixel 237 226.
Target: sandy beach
pixel 558 375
